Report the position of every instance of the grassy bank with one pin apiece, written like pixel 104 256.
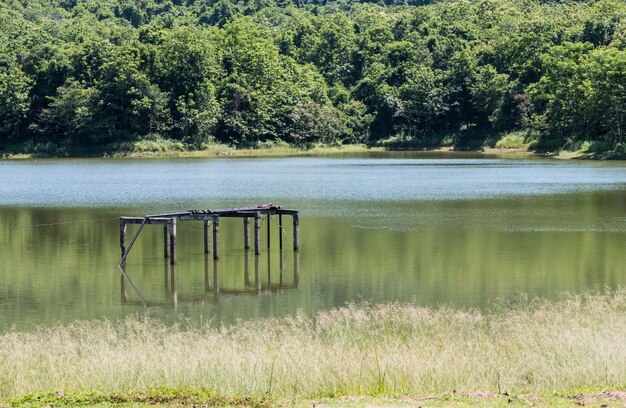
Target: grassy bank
pixel 165 148
pixel 513 144
pixel 395 350
pixel 286 151
pixel 189 397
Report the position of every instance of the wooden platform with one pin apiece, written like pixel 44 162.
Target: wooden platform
pixel 211 217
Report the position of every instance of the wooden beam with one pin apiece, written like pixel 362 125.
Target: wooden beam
pixel 196 217
pixel 246 233
pixel 257 234
pixel 166 240
pixel 269 230
pixel 172 228
pixel 216 238
pixel 280 231
pixel 140 220
pixel 296 232
pixel 207 238
pixel 123 235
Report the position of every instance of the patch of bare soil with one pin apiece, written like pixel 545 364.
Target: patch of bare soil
pixel 590 398
pixel 481 394
pixel 531 399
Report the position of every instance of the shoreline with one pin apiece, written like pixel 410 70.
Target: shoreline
pixel 212 152
pixel 225 152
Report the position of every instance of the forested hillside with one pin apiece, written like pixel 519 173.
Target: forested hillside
pixel 86 75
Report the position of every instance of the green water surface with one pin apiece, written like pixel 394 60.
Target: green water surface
pixel 460 231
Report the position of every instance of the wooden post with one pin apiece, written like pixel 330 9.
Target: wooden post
pixel 257 234
pixel 269 269
pixel 172 228
pixel 280 269
pixel 280 231
pixel 123 289
pixel 257 273
pixel 296 268
pixel 166 278
pixel 246 233
pixel 269 230
pixel 123 235
pixel 207 284
pixel 166 241
pixel 246 270
pixel 296 232
pixel 173 292
pixel 216 276
pixel 216 238
pixel 207 239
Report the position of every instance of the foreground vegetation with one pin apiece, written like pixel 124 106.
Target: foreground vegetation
pixel 188 397
pixel 85 76
pixel 395 350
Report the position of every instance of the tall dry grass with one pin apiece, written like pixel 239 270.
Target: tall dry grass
pixel 534 346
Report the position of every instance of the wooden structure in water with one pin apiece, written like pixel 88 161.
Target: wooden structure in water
pixel 213 290
pixel 211 217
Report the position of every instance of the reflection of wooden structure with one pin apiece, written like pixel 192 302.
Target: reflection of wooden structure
pixel 212 287
pixel 211 217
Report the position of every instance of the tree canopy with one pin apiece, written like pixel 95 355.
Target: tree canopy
pixel 84 74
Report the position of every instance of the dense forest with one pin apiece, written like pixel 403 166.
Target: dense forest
pixel 87 75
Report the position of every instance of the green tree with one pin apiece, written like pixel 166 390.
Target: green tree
pixel 71 116
pixel 15 88
pixel 127 100
pixel 188 68
pixel 561 96
pixel 334 51
pixel 606 71
pixel 423 102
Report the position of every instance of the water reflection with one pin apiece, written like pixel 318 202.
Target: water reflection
pixel 57 265
pixel 274 279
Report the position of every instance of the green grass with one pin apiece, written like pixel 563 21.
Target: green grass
pixel 158 147
pixel 594 150
pixel 513 140
pixel 371 351
pixel 156 396
pixel 190 397
pixel 408 142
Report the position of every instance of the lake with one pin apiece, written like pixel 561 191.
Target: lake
pixel 460 230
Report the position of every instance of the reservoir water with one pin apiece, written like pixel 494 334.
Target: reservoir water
pixel 460 230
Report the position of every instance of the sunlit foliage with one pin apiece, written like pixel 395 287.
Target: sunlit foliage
pixel 81 74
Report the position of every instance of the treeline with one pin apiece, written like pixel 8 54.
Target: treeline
pixel 87 75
